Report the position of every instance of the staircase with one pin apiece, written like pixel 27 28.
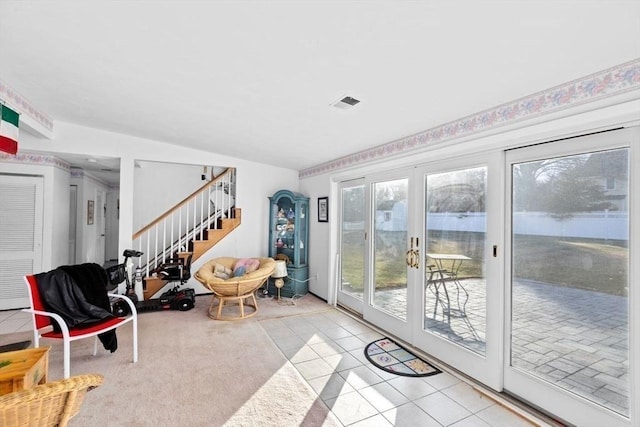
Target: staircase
pixel 194 225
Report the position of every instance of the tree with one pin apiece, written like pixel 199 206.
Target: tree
pixel 560 186
pixel 572 191
pixel 457 192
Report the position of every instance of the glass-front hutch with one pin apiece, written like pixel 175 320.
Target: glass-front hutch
pixel 288 238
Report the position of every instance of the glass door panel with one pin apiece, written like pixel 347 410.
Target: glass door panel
pixel 390 247
pixel 569 279
pixel 455 285
pixel 353 245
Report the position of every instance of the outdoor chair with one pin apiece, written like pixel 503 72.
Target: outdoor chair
pixel 48 404
pixel 43 322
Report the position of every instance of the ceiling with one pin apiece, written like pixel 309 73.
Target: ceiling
pixel 256 79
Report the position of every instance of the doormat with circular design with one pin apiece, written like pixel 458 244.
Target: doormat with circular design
pixel 391 357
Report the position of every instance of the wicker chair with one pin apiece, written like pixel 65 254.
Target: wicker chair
pixel 234 289
pixel 49 404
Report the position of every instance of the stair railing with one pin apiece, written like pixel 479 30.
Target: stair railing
pixel 174 230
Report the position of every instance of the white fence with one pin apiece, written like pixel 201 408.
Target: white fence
pixel 590 225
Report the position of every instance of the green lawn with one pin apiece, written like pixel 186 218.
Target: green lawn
pixel 578 263
pixel 591 264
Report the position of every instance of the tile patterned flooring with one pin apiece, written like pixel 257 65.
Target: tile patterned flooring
pixel 327 349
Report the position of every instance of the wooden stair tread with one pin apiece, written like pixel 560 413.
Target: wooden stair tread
pixel 200 247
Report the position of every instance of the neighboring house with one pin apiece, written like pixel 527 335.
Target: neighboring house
pixel 610 173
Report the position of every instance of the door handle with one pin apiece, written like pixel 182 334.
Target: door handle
pixel 413 255
pixel 409 257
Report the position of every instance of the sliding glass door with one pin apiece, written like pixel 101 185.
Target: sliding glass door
pixel 568 278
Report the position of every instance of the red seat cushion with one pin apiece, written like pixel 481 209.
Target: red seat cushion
pixel 75 332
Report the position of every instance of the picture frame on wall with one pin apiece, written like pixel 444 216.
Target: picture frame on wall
pixel 323 209
pixel 90 212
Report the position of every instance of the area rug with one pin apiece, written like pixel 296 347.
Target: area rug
pixel 391 357
pixel 195 371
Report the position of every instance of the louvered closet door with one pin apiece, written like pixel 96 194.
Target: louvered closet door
pixel 21 200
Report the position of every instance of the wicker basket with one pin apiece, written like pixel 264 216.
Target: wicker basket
pixel 49 404
pixel 234 289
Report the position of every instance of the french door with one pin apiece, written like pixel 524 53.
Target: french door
pixel 375 225
pixel 390 277
pixel 459 317
pixel 417 254
pixel 568 278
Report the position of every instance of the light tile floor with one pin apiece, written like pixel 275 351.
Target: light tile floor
pixel 327 349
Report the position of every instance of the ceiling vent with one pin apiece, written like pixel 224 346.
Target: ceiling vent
pixel 345 103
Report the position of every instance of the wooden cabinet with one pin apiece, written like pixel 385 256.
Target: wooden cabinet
pixel 23 369
pixel 288 238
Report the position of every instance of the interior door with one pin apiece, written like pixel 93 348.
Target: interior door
pixel 21 213
pixel 459 293
pixel 568 277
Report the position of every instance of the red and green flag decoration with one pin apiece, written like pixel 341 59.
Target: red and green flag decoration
pixel 8 130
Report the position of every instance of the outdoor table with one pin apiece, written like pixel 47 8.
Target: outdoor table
pixel 441 276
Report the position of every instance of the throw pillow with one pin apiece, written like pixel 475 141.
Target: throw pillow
pixel 239 271
pixel 252 265
pixel 222 272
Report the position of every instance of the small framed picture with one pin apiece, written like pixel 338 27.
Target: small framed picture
pixel 323 209
pixel 90 212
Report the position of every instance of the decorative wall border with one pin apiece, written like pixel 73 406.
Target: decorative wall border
pixel 35 159
pixel 87 175
pixel 24 107
pixel 613 81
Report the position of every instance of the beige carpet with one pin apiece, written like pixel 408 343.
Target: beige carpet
pixel 195 371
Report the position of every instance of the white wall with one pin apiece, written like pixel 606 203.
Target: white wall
pixel 56 196
pixel 256 182
pixel 159 186
pixel 321 262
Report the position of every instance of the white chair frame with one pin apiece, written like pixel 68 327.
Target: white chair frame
pixel 66 336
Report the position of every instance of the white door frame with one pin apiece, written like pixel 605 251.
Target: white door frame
pixel 485 368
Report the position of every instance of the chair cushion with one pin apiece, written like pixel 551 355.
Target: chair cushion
pixel 98 327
